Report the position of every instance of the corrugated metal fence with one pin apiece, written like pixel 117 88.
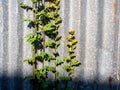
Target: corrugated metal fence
pixel 97 30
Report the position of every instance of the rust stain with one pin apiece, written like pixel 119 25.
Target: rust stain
pixel 95 81
pixel 75 79
pixel 110 79
pixel 114 11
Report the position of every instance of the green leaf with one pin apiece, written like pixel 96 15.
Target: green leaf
pixel 44 56
pixel 56 53
pixel 69 44
pixel 40 56
pixel 66 59
pixel 58 20
pixel 74 47
pixel 28 20
pixel 33 38
pixel 74 63
pixel 72 56
pixel 29 78
pixel 58 62
pixel 50 44
pixel 71 71
pixel 70 51
pixel 74 42
pixel 65 78
pixel 41 13
pixel 41 73
pixel 29 61
pixel 70 38
pixel 57 73
pixel 31 22
pixel 66 67
pixel 57 44
pixel 25 6
pixel 58 37
pixel 51 69
pixel 35 1
pixel 49 27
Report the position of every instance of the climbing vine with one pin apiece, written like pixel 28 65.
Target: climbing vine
pixel 70 60
pixel 45 23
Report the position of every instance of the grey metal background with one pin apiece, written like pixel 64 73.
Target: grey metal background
pixel 98 43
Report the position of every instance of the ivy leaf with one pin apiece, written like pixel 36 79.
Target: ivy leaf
pixel 74 42
pixel 35 1
pixel 65 78
pixel 29 78
pixel 71 32
pixel 74 47
pixel 70 51
pixel 41 13
pixel 44 56
pixel 25 6
pixel 66 59
pixel 49 27
pixel 57 73
pixel 58 62
pixel 66 67
pixel 57 44
pixel 72 56
pixel 56 53
pixel 40 73
pixel 58 37
pixel 39 57
pixel 50 44
pixel 31 22
pixel 51 69
pixel 33 38
pixel 70 38
pixel 28 20
pixel 29 61
pixel 71 71
pixel 58 20
pixel 74 63
pixel 51 58
pixel 69 44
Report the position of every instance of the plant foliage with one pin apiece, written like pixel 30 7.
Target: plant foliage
pixel 45 23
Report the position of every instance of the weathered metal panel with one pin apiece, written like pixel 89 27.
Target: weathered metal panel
pixel 97 30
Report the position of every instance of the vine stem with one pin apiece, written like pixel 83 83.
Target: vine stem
pixel 35 49
pixel 55 65
pixel 43 35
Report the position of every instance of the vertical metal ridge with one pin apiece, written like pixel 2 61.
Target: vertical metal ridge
pixel 83 36
pixel 5 77
pixel 13 42
pixel 99 37
pixel 1 44
pixel 76 26
pixel 108 61
pixel 19 74
pixel 118 49
pixel 90 47
pixel 116 35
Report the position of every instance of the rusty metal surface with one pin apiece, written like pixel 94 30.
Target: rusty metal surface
pixel 97 30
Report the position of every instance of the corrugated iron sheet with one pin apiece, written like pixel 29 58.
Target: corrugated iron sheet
pixel 97 30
